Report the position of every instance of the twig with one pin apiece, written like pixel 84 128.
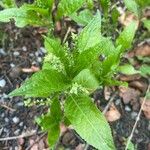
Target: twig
pixel 66 35
pixel 36 141
pixel 137 119
pixel 28 134
pixel 109 103
pixel 7 107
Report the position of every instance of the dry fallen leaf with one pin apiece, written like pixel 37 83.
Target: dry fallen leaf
pixel 107 92
pixel 129 77
pixel 140 85
pixel 143 50
pixel 146 108
pixel 112 114
pixel 128 94
pixel 126 18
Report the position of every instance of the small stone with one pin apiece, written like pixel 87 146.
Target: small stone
pixel 127 108
pixel 31 54
pixel 2 52
pixel 16 132
pixel 117 102
pixel 43 50
pixel 12 65
pixel 24 48
pixel 36 54
pixel 134 115
pixel 20 104
pixel 3 115
pixel 21 124
pixel 16 53
pixel 39 59
pixel 6 120
pixel 15 120
pixel 2 83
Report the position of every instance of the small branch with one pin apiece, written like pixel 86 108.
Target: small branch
pixel 66 35
pixel 36 141
pixel 109 103
pixel 137 119
pixel 7 107
pixel 24 135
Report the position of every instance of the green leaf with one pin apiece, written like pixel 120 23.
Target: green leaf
pixel 89 122
pixel 83 17
pixel 146 24
pixel 21 16
pixel 110 64
pixel 128 69
pixel 132 6
pixel 8 3
pixel 145 70
pixel 126 37
pixel 54 46
pixel 46 4
pixel 87 80
pixel 42 84
pixel 50 122
pixel 90 4
pixel 143 3
pixel 90 35
pixel 105 4
pixel 68 7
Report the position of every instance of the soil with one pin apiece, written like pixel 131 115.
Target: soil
pixel 23 48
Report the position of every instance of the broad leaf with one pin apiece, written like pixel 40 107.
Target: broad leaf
pixel 145 70
pixel 44 4
pixel 8 3
pixel 83 17
pixel 146 24
pixel 21 16
pixel 50 122
pixel 68 7
pixel 42 84
pixel 87 80
pixel 90 35
pixel 126 37
pixel 132 6
pixel 105 4
pixel 89 122
pixel 128 69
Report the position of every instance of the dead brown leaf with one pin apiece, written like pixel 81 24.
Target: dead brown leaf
pixel 146 108
pixel 143 50
pixel 129 77
pixel 128 94
pixel 126 18
pixel 140 85
pixel 112 114
pixel 107 92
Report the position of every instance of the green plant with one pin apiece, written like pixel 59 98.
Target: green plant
pixel 70 75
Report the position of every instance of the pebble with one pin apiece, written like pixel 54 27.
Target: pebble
pixel 31 54
pixel 117 102
pixel 2 51
pixel 2 83
pixel 134 115
pixel 24 48
pixel 21 124
pixel 20 104
pixel 16 132
pixel 12 65
pixel 43 50
pixel 36 54
pixel 16 53
pixel 39 59
pixel 127 108
pixel 6 120
pixel 3 115
pixel 15 120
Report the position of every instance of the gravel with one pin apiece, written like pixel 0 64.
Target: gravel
pixel 16 53
pixel 127 108
pixel 15 120
pixel 2 83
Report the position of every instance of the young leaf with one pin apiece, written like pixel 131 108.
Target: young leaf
pixel 42 84
pixel 84 116
pixel 132 6
pixel 83 17
pixel 145 70
pixel 105 4
pixel 147 24
pixel 126 37
pixel 21 16
pixel 68 7
pixel 90 35
pixel 87 80
pixel 50 122
pixel 128 69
